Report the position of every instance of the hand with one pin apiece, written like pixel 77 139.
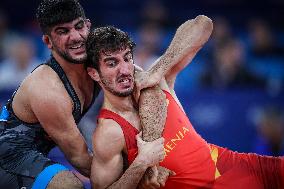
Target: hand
pixel 155 177
pixel 163 175
pixel 144 79
pixel 140 80
pixel 137 68
pixel 150 153
pixel 137 88
pixel 150 179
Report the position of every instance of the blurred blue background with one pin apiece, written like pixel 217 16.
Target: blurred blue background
pixel 233 89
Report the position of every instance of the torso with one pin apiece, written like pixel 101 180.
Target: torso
pixel 20 119
pixel 85 92
pixel 186 152
pixel 22 137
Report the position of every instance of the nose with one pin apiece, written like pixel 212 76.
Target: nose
pixel 126 68
pixel 75 35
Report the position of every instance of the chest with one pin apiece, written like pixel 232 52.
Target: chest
pixel 85 95
pixel 133 119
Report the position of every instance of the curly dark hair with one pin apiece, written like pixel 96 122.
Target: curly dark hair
pixel 52 12
pixel 106 39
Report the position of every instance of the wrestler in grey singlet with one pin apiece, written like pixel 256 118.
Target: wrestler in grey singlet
pixel 24 146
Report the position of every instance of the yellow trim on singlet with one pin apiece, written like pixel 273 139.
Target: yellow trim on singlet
pixel 214 157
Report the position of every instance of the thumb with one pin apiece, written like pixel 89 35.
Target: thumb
pixel 155 171
pixel 137 68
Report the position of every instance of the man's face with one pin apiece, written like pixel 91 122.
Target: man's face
pixel 69 39
pixel 116 72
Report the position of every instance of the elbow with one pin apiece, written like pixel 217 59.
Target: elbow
pixel 82 164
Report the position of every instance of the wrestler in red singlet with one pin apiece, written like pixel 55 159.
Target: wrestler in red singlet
pixel 198 164
pixel 187 154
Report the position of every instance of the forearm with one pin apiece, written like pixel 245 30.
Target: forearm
pixel 161 66
pixel 131 177
pixel 78 155
pixel 82 163
pixel 188 40
pixel 152 112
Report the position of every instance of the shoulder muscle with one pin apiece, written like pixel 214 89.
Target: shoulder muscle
pixel 108 139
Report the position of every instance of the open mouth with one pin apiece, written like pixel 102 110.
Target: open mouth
pixel 77 46
pixel 124 80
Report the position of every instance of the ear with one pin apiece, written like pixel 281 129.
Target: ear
pixel 47 41
pixel 93 73
pixel 88 23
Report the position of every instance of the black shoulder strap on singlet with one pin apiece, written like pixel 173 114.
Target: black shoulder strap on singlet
pixel 69 88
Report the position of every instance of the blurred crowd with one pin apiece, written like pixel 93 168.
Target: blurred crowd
pixel 235 58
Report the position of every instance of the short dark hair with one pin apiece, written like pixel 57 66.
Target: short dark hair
pixel 106 39
pixel 52 12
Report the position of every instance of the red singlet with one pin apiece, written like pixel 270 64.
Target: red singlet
pixel 198 164
pixel 187 154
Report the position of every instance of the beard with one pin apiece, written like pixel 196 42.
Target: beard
pixel 108 86
pixel 68 57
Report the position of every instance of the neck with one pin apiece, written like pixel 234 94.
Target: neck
pixel 118 104
pixel 73 71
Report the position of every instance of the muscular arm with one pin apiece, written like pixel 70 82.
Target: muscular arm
pixel 53 108
pixel 188 40
pixel 152 112
pixel 107 165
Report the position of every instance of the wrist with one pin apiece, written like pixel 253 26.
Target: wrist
pixel 154 77
pixel 140 163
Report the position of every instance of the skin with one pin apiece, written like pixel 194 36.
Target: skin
pixel 65 180
pixel 43 98
pixel 188 40
pixel 153 113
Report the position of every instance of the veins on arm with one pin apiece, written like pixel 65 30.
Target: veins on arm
pixel 54 111
pixel 187 41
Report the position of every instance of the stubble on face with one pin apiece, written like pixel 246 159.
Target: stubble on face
pixel 109 85
pixel 72 49
pixel 64 54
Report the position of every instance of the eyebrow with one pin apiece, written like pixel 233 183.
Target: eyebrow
pixel 79 22
pixel 109 58
pixel 66 27
pixel 113 58
pixel 60 28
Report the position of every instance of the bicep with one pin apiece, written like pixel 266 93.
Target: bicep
pixel 106 171
pixel 107 164
pixel 55 116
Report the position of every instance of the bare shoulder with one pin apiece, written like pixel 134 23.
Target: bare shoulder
pixel 108 138
pixel 42 92
pixel 44 85
pixel 43 79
